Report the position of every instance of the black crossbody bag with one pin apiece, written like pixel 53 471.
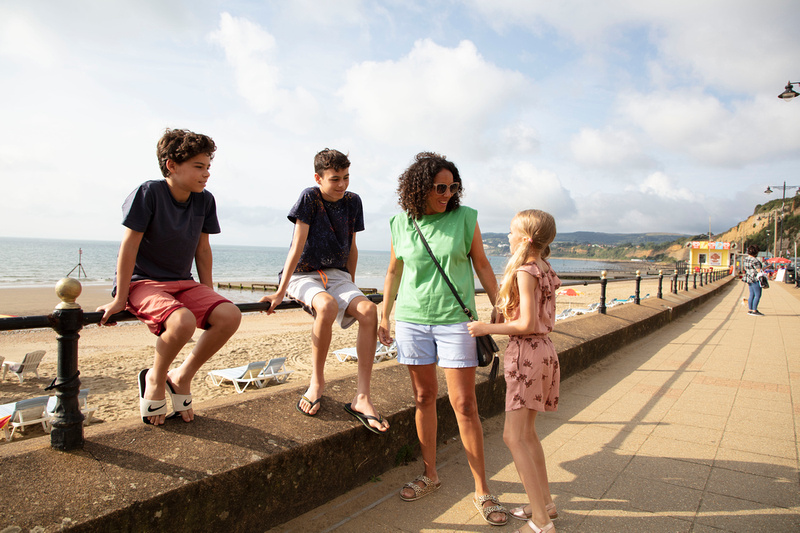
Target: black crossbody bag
pixel 486 347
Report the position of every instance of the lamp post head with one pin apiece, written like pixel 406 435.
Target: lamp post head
pixel 789 93
pixel 768 190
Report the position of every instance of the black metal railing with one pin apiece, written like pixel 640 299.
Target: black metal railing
pixel 67 320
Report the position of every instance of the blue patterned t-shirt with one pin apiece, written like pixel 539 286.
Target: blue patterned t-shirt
pixel 331 229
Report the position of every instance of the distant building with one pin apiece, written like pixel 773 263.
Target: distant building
pixel 716 255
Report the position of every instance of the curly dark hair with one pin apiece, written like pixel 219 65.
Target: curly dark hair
pixel 752 250
pixel 328 159
pixel 182 145
pixel 417 182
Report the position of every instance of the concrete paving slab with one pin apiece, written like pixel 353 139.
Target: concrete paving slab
pixel 668 434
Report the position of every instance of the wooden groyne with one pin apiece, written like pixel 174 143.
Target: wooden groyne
pixel 265 286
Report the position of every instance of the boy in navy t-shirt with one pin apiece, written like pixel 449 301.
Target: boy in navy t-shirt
pixel 320 273
pixel 167 224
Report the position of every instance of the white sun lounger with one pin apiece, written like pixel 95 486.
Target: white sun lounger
pixel 29 365
pixel 83 404
pixel 382 353
pixel 259 373
pixel 24 413
pixel 275 369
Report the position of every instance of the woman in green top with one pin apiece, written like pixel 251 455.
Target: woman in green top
pixel 430 326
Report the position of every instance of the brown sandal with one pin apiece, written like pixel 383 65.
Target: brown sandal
pixel 419 492
pixel 487 511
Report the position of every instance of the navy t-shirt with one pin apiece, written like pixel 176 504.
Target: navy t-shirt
pixel 171 229
pixel 331 229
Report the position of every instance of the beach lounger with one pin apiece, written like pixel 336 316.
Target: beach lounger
pixel 83 404
pixel 382 353
pixel 24 413
pixel 241 376
pixel 275 369
pixel 566 313
pixel 586 310
pixel 29 364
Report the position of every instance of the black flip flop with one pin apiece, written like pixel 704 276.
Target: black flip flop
pixel 303 397
pixel 364 419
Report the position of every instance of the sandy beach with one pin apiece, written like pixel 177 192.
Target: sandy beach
pixel 110 357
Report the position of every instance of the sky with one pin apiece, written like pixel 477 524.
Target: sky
pixel 619 116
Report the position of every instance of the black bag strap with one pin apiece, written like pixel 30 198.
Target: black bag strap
pixel 441 271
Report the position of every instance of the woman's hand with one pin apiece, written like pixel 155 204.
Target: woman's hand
pixel 476 329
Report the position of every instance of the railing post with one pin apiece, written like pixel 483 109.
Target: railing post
pixel 603 283
pixel 659 294
pixel 686 287
pixel 636 299
pixel 694 280
pixel 674 282
pixel 67 320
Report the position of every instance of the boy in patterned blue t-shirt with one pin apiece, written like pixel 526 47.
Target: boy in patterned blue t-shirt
pixel 320 273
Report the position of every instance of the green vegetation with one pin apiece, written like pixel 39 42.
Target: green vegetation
pixel 606 246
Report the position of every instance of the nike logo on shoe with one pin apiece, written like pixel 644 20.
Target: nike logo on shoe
pixel 150 408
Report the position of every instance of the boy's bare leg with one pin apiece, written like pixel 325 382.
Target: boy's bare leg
pixel 327 309
pixel 223 322
pixel 178 329
pixel 366 313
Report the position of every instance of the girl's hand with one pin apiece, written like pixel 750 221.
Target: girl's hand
pixel 476 329
pixel 385 336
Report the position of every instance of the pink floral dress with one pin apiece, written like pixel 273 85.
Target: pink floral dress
pixel 531 363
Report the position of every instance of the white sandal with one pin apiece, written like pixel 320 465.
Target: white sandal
pixel 520 514
pixel 549 528
pixel 148 408
pixel 180 402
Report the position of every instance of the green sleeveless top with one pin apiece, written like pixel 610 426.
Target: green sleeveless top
pixel 423 296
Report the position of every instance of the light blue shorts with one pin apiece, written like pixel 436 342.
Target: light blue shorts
pixel 450 345
pixel 305 285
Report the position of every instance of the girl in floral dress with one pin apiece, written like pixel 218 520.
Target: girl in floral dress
pixel 527 300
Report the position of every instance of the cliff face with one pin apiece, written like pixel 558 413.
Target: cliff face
pixel 756 223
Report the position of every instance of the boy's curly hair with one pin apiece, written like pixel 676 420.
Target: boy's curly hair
pixel 328 159
pixel 182 145
pixel 417 182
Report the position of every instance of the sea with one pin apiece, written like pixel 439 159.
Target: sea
pixel 26 262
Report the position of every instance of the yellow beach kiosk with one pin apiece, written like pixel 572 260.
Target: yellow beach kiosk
pixel 714 255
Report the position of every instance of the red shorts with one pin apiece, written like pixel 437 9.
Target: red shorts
pixel 153 301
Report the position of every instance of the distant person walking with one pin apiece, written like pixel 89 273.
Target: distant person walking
pixel 527 300
pixel 752 268
pixel 430 325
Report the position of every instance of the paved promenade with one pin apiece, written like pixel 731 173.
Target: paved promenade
pixel 693 428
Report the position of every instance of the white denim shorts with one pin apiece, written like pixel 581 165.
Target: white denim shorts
pixel 449 345
pixel 305 285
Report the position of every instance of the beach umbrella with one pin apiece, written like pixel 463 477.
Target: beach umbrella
pixel 569 292
pixel 781 260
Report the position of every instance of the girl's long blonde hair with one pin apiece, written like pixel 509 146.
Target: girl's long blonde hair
pixel 539 228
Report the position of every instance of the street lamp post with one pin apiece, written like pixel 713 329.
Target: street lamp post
pixel 789 93
pixel 783 205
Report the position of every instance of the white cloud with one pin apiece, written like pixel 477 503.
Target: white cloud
pixel 610 148
pixel 699 125
pixel 252 53
pixel 23 40
pixel 520 138
pixel 435 96
pixel 498 193
pixel 660 185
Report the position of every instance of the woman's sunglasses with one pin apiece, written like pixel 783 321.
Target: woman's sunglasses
pixel 441 188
